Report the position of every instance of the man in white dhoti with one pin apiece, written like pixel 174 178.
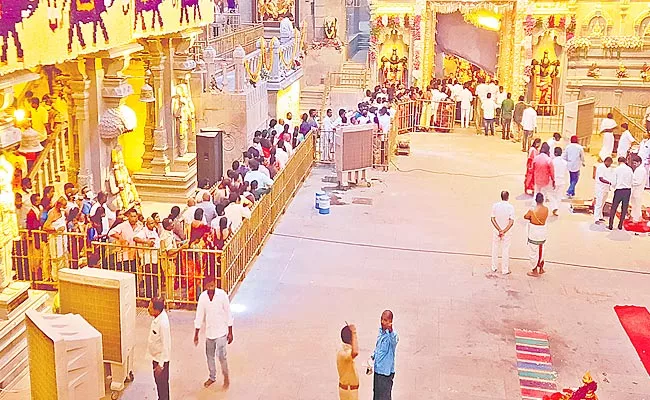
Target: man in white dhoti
pixel 607 129
pixel 465 97
pixel 503 217
pixel 625 142
pixel 639 181
pixel 561 173
pixel 536 217
pixel 602 187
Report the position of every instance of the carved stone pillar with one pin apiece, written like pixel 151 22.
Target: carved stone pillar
pixel 159 162
pixel 238 59
pixel 150 123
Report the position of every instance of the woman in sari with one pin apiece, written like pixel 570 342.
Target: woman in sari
pixel 529 183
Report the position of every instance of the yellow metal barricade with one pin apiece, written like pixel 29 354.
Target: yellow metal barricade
pixel 38 255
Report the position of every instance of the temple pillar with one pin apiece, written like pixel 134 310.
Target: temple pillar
pixel 159 163
pixel 80 145
pixel 183 65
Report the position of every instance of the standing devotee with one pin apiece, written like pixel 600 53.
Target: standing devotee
pixel 489 109
pixel 561 173
pixel 499 96
pixel 607 129
pixel 124 233
pixel 348 377
pixel 625 142
pixel 574 155
pixel 465 98
pixel 503 217
pixel 213 309
pixel 507 108
pixel 529 182
pixel 623 176
pixel 554 142
pixel 644 151
pixel 603 184
pixel 536 217
pixel 159 347
pixel 529 124
pixel 639 181
pixel 517 116
pixel 384 358
pixel 543 174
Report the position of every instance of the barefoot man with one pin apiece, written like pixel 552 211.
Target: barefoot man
pixel 536 217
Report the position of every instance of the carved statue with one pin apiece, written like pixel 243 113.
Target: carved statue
pixel 547 72
pixel 596 28
pixel 645 72
pixel 330 27
pixel 183 110
pixel 121 184
pixel 397 67
pixel 594 71
pixel 274 10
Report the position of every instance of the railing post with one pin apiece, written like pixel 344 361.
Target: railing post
pixel 275 56
pixel 238 59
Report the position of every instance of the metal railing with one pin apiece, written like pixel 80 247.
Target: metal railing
pixel 636 129
pixel 47 168
pixel 637 113
pixel 178 274
pixel 245 35
pixel 550 119
pixel 348 79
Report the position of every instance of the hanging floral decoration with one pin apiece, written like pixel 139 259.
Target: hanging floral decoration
pixel 529 25
pixel 335 43
pixel 551 22
pixel 416 60
pixel 407 21
pixel 417 35
pixel 622 42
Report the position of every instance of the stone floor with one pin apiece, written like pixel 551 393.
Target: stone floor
pixel 417 241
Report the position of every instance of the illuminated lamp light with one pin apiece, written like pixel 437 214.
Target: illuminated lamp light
pixel 487 22
pixel 19 115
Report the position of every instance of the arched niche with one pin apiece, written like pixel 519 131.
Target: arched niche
pixel 642 25
pixel 596 24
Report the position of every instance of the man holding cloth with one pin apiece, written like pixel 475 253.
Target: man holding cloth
pixel 384 358
pixel 603 184
pixel 622 183
pixel 503 217
pixel 159 346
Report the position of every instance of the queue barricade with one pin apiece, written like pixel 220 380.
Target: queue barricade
pixel 324 146
pixel 38 255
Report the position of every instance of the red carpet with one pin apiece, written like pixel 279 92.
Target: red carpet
pixel 636 322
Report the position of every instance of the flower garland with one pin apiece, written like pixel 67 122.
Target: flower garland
pixel 335 43
pixel 578 43
pixel 622 42
pixel 551 22
pixel 417 34
pixel 253 77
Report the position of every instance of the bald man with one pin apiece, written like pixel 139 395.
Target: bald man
pixel 384 358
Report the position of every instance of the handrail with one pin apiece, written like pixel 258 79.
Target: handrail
pixel 51 161
pixel 636 129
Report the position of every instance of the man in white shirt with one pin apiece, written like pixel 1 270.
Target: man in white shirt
pixel 644 151
pixel 148 237
pixel 263 181
pixel 607 127
pixel 465 98
pixel 286 28
pixel 602 186
pixel 489 108
pixel 529 124
pixel 639 182
pixel 384 121
pixel 482 89
pixel 493 87
pixel 235 212
pixel 213 309
pixel 327 136
pixel 109 215
pixel 159 346
pixel 503 217
pixel 574 155
pixel 625 142
pixel 499 96
pixel 561 173
pixel 554 142
pixel 622 183
pixel 124 233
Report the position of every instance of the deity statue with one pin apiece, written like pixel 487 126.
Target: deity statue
pixel 585 392
pixel 596 28
pixel 330 27
pixel 546 83
pixel 183 109
pixel 594 71
pixel 621 72
pixel 397 68
pixel 120 183
pixel 645 72
pixel 274 10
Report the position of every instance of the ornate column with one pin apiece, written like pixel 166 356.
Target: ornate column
pixel 147 95
pixel 159 162
pixel 518 59
pixel 238 59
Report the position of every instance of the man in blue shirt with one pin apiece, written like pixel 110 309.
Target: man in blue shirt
pixel 384 357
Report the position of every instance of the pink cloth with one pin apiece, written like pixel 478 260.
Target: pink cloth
pixel 543 174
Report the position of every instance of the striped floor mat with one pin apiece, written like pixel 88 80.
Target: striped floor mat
pixel 536 374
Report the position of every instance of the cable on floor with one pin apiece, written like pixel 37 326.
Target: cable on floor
pixel 454 253
pixel 429 171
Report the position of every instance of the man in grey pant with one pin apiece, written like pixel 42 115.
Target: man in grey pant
pixel 213 309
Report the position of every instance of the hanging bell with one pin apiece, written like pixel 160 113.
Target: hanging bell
pixel 146 94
